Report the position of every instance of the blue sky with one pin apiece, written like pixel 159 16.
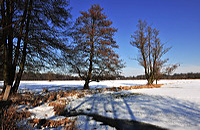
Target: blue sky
pixel 177 20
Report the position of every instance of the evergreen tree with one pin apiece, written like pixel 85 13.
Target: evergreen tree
pixel 31 32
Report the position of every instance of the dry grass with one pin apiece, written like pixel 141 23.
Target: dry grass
pixel 9 118
pixel 140 86
pixel 59 108
pixel 42 123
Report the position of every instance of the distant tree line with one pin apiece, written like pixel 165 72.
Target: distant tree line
pixel 47 76
pixel 56 76
pixel 165 76
pixel 53 76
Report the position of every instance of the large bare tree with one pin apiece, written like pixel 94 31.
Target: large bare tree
pixel 92 50
pixel 151 50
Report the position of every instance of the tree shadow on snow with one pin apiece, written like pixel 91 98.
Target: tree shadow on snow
pixel 164 111
pixel 39 88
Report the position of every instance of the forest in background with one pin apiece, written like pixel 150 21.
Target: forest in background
pixel 54 76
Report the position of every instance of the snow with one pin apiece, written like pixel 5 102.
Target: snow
pixel 162 111
pixel 42 112
pixel 87 123
pixel 176 105
pixel 180 89
pixel 38 86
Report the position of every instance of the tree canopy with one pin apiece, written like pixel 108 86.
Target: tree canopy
pixel 92 53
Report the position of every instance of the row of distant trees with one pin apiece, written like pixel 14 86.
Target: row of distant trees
pixel 38 35
pixel 53 76
pixel 165 76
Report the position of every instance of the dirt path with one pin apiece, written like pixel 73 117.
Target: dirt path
pixel 119 124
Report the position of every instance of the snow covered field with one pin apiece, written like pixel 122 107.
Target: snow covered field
pixel 176 105
pixel 37 86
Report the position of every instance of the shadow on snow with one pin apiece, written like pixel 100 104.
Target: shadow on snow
pixel 162 111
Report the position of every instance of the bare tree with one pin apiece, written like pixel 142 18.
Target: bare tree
pixel 165 70
pixel 151 50
pixel 171 68
pixel 92 52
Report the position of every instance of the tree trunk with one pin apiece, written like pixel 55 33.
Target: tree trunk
pixel 89 76
pixel 17 81
pixel 86 85
pixel 87 80
pixel 3 42
pixel 17 49
pixel 7 41
pixel 7 38
pixel 24 53
pixel 9 11
pixel 150 79
pixel 150 82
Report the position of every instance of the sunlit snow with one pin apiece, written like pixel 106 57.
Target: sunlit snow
pixel 176 105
